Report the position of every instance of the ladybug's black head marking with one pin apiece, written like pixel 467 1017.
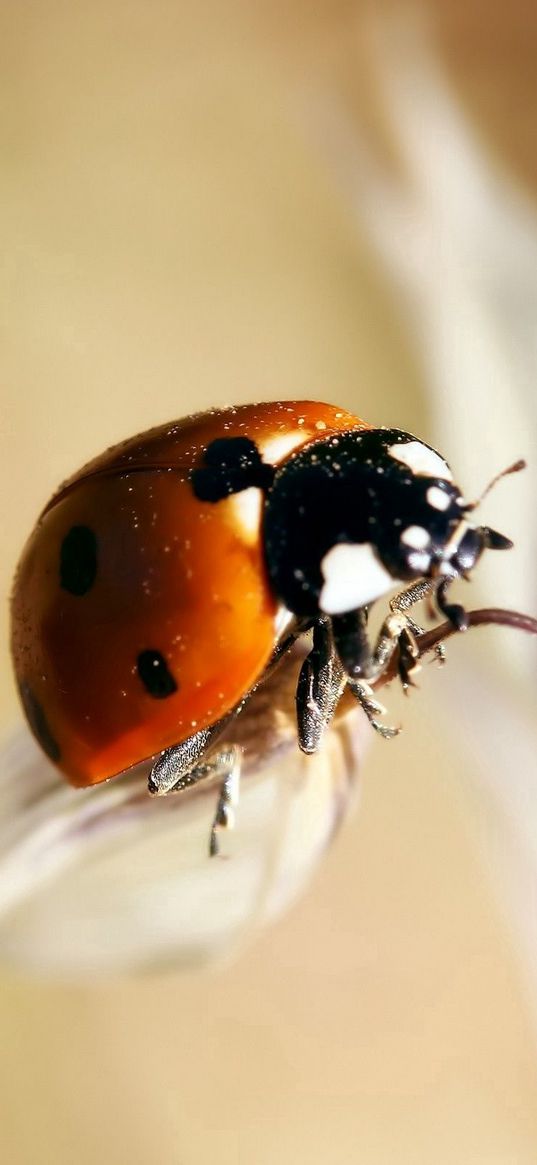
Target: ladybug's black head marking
pixel 230 465
pixel 352 516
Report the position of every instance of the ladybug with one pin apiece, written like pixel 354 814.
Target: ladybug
pixel 165 579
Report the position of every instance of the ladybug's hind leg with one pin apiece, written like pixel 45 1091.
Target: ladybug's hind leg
pixel 224 769
pixel 187 764
pixel 228 767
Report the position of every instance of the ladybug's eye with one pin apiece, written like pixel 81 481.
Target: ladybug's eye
pixel 469 550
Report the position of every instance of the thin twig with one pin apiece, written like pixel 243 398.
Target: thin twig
pixel 482 618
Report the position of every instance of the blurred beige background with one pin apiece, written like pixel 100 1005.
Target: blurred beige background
pixel 173 238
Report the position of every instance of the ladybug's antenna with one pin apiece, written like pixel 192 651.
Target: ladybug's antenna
pixel 514 468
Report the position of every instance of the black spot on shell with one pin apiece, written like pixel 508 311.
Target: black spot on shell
pixel 38 722
pixel 231 464
pixel 155 675
pixel 78 560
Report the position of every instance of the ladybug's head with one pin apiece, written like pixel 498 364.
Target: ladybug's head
pixel 350 517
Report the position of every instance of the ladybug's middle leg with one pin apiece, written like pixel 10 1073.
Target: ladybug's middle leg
pixel 320 684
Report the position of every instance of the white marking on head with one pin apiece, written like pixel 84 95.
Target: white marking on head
pixel 353 578
pixel 247 508
pixel 417 537
pixel 419 561
pixel 437 498
pixel 421 460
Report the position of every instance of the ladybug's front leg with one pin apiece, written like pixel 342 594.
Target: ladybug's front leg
pixel 361 662
pixel 423 589
pixel 405 600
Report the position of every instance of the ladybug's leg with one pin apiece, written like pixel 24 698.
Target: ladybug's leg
pixel 224 768
pixel 399 631
pixel 184 765
pixel 228 766
pixel 372 708
pixel 396 633
pixel 453 611
pixel 172 771
pixel 402 602
pixel 320 685
pixel 360 661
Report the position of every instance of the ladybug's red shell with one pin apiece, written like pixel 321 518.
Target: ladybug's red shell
pixel 141 613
